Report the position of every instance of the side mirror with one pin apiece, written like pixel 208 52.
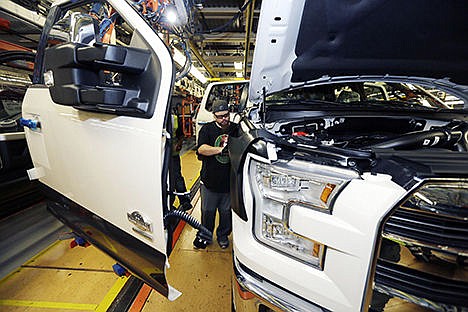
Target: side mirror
pixel 83 28
pixel 77 74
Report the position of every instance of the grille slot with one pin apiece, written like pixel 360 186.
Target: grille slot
pixel 432 229
pixel 421 284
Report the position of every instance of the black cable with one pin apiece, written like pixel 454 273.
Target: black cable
pixel 179 214
pixel 203 18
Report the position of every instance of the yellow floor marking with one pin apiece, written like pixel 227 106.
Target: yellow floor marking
pixel 43 251
pixel 111 294
pixel 49 304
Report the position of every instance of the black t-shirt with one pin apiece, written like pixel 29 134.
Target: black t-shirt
pixel 216 169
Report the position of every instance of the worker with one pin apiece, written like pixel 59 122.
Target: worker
pixel 176 180
pixel 212 151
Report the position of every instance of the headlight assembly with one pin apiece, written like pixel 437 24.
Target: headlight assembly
pixel 277 187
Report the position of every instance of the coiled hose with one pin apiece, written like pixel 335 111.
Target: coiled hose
pixel 203 232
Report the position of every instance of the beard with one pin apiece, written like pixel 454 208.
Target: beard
pixel 223 123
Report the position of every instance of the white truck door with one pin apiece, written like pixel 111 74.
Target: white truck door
pixel 96 130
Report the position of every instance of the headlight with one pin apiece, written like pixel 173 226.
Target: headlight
pixel 286 183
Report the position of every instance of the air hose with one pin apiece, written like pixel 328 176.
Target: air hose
pixel 203 232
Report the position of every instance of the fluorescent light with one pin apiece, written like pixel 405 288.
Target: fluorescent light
pixel 170 13
pixel 197 74
pixel 179 58
pixel 238 65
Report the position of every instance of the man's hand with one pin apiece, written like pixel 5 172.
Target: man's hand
pixel 225 151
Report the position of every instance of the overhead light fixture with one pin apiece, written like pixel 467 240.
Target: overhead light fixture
pixel 170 14
pixel 197 74
pixel 238 66
pixel 179 58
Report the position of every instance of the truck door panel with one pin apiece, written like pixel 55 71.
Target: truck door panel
pixel 100 146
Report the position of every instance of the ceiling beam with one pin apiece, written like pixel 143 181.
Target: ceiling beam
pixel 218 11
pixel 226 37
pixel 248 33
pixel 227 70
pixel 225 58
pixel 224 51
pixel 200 58
pixel 9 46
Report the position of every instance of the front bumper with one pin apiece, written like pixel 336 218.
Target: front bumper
pixel 251 293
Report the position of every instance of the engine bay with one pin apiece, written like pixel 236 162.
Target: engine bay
pixel 367 132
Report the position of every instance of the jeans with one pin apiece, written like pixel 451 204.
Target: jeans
pixel 210 201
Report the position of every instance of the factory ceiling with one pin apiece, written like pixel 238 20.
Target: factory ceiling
pixel 222 35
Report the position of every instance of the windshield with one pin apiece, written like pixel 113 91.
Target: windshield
pixel 369 93
pixel 233 93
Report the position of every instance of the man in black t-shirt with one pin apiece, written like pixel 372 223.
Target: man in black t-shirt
pixel 212 151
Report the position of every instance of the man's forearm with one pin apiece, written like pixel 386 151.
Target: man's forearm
pixel 208 150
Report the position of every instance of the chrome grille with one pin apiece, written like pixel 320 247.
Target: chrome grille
pixel 421 284
pixel 423 256
pixel 428 229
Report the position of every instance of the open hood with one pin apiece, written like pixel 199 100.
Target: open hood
pixel 302 41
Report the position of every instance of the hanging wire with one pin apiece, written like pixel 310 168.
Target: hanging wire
pixel 155 16
pixel 231 21
pixel 188 60
pixel 153 12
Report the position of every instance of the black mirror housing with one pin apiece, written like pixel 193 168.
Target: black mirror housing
pixel 83 74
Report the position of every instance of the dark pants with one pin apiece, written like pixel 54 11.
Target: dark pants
pixel 210 201
pixel 177 182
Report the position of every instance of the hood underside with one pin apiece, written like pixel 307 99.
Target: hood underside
pixel 300 41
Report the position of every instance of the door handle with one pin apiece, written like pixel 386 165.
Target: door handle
pixel 30 123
